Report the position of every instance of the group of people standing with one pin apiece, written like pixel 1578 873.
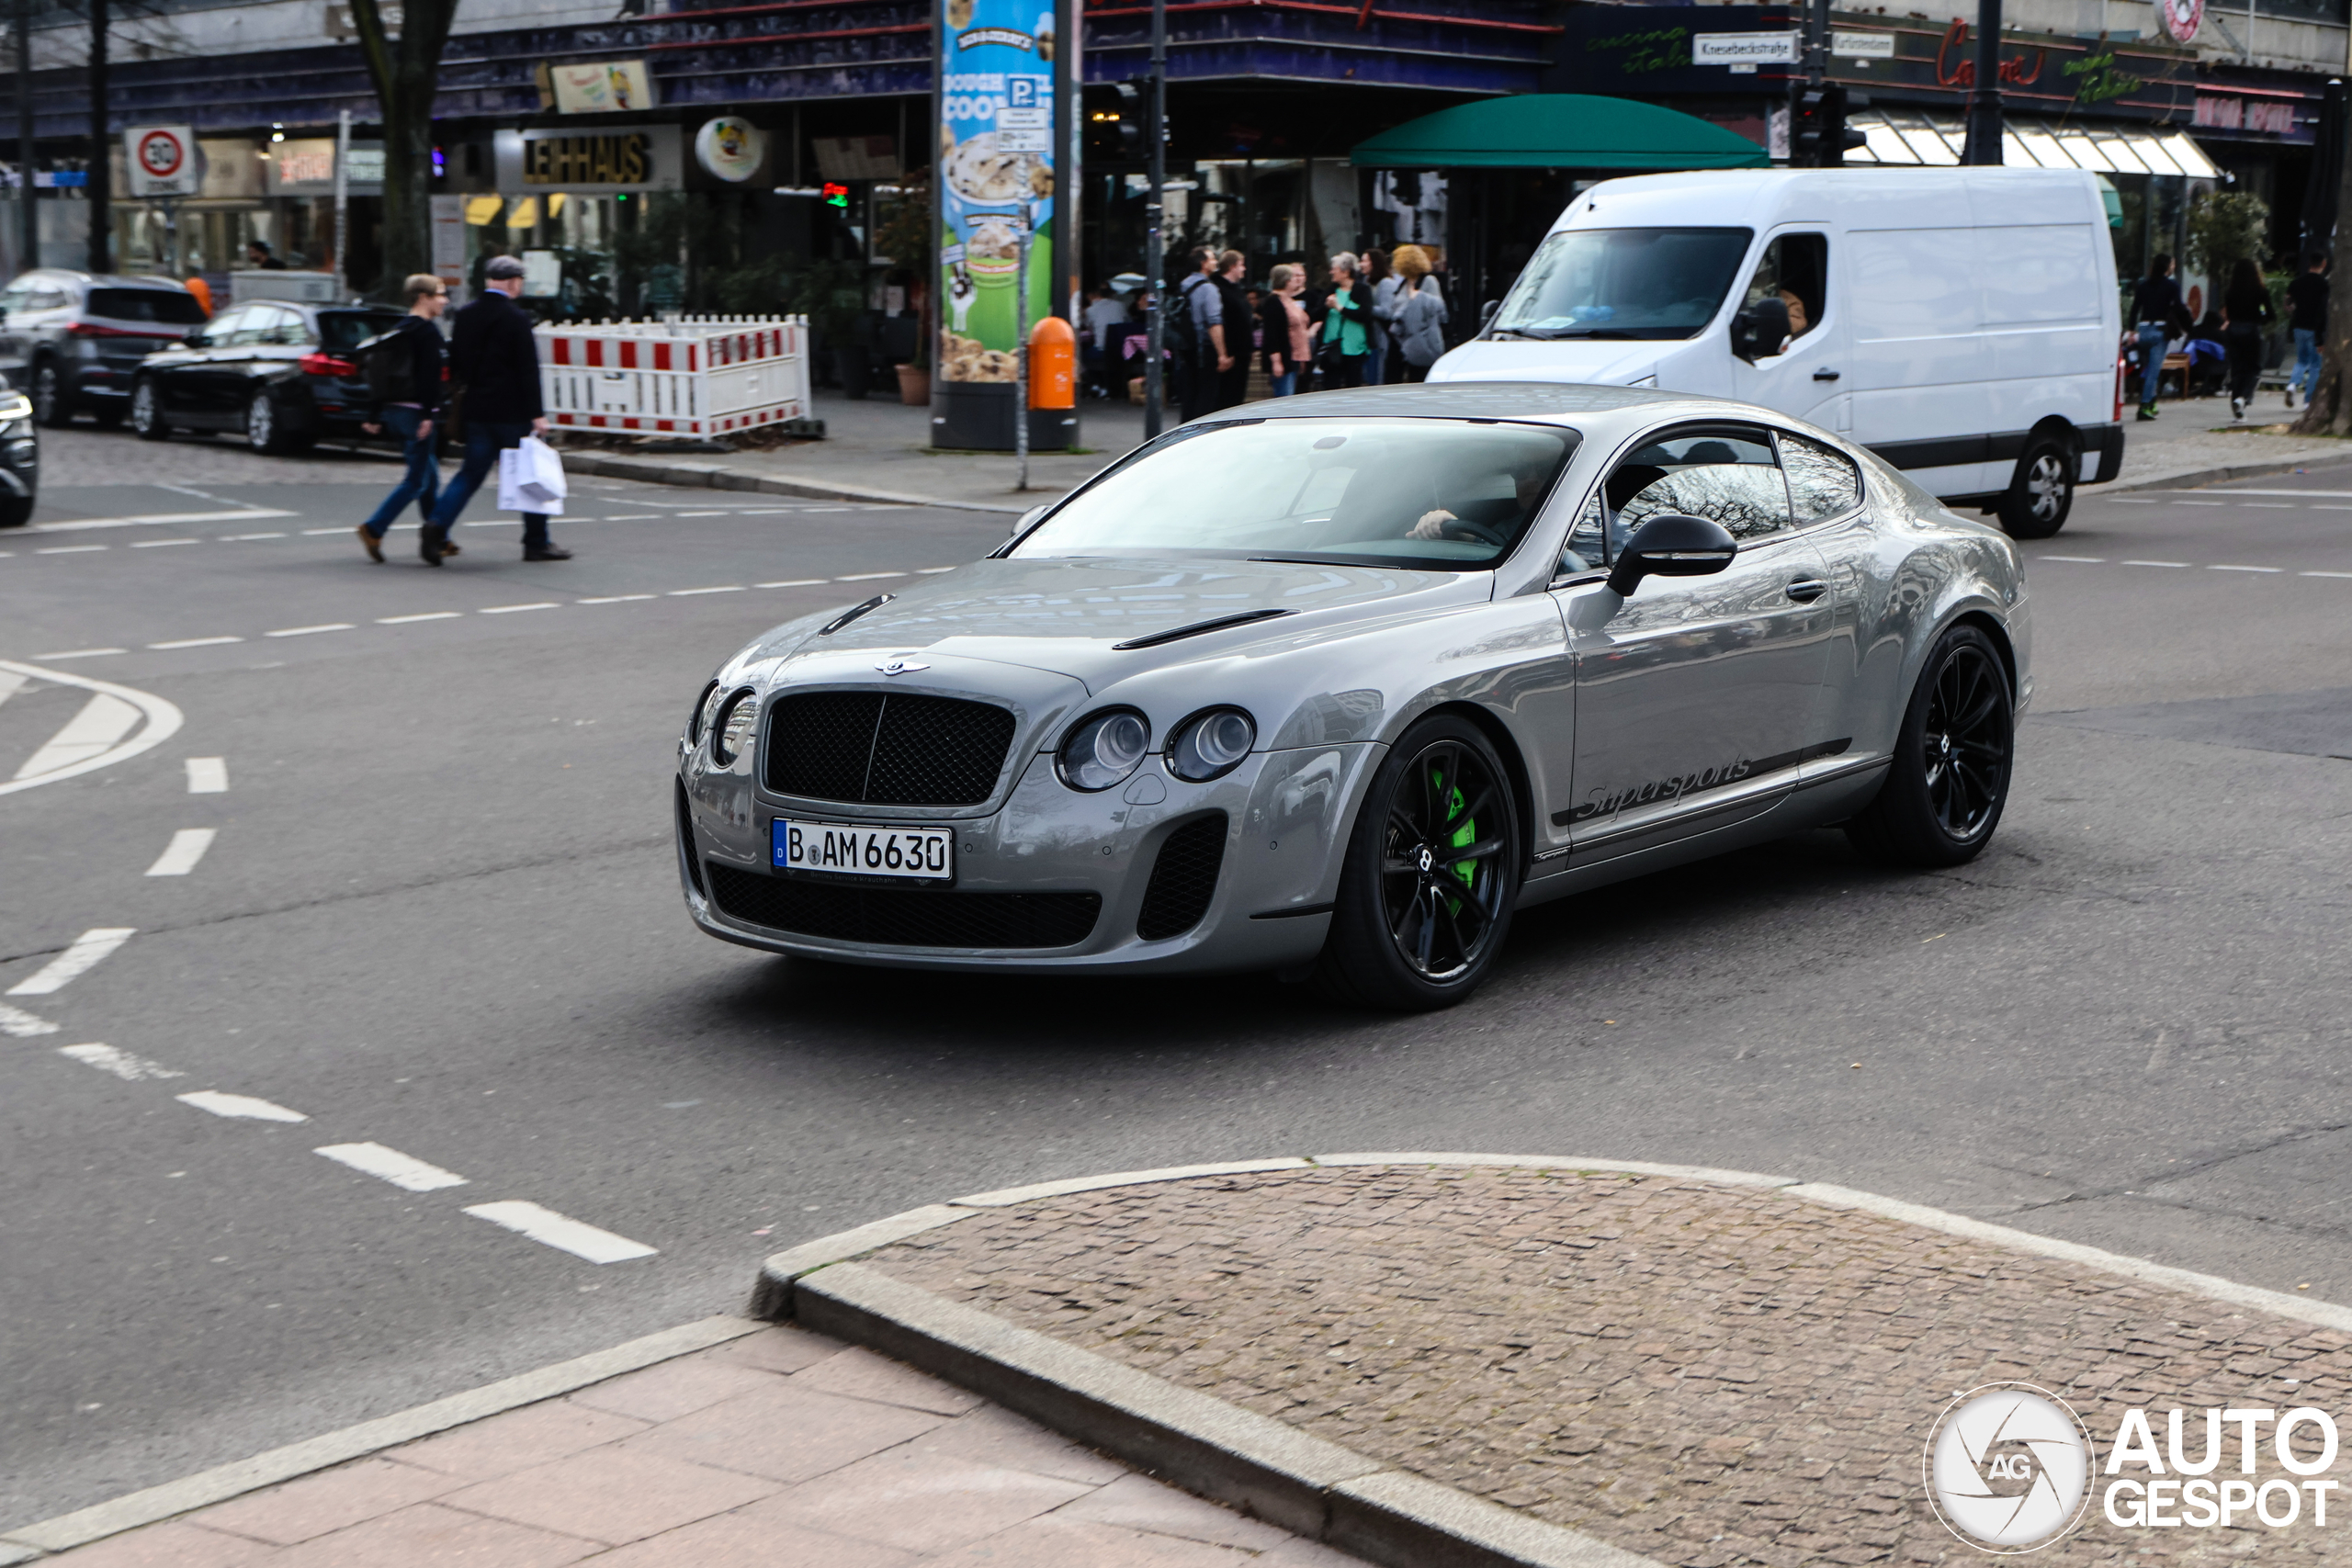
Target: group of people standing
pixel 1379 318
pixel 2232 333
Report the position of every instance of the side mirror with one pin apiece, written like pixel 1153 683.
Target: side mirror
pixel 199 338
pixel 1672 545
pixel 1760 329
pixel 1486 312
pixel 1026 521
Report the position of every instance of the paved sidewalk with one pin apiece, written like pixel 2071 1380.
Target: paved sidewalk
pixel 2192 439
pixel 782 1449
pixel 1710 1375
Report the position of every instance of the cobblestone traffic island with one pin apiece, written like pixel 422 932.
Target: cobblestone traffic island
pixel 1710 1375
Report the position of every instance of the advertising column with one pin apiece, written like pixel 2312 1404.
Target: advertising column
pixel 998 124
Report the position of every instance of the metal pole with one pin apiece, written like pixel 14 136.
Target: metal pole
pixel 1155 236
pixel 28 215
pixel 342 202
pixel 1021 359
pixel 1816 41
pixel 1984 143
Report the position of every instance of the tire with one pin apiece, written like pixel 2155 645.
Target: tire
pixel 266 430
pixel 16 511
pixel 147 412
pixel 52 403
pixel 2041 493
pixel 1414 931
pixel 1943 793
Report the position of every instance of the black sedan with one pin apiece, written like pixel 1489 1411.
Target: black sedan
pixel 279 373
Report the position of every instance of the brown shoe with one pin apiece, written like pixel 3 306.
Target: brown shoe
pixel 372 545
pixel 449 548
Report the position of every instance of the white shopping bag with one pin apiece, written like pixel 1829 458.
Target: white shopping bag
pixel 530 479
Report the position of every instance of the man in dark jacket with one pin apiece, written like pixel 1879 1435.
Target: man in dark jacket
pixel 494 361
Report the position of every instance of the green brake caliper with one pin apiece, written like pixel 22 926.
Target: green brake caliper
pixel 1464 871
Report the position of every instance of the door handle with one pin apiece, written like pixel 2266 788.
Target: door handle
pixel 1825 374
pixel 1806 589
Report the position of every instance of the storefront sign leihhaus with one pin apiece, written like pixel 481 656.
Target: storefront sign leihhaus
pixel 643 157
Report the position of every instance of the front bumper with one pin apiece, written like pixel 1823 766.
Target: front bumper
pixel 1287 815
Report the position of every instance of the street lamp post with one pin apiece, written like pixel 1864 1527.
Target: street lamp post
pixel 28 215
pixel 1155 236
pixel 1984 144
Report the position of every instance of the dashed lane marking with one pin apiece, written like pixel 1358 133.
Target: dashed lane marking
pixel 796 582
pixel 85 954
pixel 193 642
pixel 307 631
pixel 82 653
pixel 404 1171
pixel 22 1024
pixel 2086 560
pixel 614 599
pixel 242 538
pixel 412 620
pixel 161 544
pixel 208 775
pixel 240 1107
pixel 551 1229
pixel 69 549
pixel 2180 564
pixel 866 575
pixel 121 1064
pixel 186 848
pixel 243 514
pixel 516 609
pixel 690 592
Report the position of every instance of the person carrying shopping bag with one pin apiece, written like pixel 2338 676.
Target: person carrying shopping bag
pixel 403 375
pixel 494 361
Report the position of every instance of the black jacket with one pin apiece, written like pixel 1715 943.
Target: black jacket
pixel 423 340
pixel 2158 300
pixel 2307 298
pixel 493 356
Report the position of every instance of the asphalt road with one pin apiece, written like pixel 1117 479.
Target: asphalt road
pixel 439 914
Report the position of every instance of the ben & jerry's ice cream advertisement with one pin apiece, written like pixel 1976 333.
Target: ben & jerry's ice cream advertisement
pixel 996 163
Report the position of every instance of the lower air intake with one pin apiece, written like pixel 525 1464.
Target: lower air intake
pixel 1183 879
pixel 905 917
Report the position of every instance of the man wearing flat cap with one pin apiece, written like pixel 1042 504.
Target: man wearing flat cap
pixel 495 360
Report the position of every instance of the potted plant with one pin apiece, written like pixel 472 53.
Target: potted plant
pixel 905 235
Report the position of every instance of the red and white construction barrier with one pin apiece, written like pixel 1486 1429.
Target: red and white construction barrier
pixel 702 377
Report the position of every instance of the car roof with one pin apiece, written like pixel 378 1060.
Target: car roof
pixel 97 279
pixel 1546 401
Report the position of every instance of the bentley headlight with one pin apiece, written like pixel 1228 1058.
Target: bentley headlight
pixel 699 720
pixel 1104 750
pixel 731 730
pixel 15 406
pixel 1211 745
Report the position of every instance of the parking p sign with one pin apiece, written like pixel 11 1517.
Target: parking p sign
pixel 163 160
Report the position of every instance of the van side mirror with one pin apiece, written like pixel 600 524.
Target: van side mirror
pixel 1026 521
pixel 1486 312
pixel 1672 545
pixel 196 338
pixel 1759 330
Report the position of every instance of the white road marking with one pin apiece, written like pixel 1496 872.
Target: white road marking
pixel 83 954
pixel 2125 500
pixel 867 576
pixel 243 1107
pixel 306 631
pixel 936 570
pixel 635 517
pixel 615 599
pixel 2200 503
pixel 163 721
pixel 2262 569
pixel 22 1024
pixel 82 653
pixel 240 538
pixel 2331 492
pixel 10 683
pixel 314 533
pixel 2323 575
pixel 698 515
pixel 547 1226
pixel 186 848
pixel 690 592
pixel 767 511
pixel 159 544
pixel 828 508
pixel 795 582
pixel 70 549
pixel 2269 506
pixel 2332 509
pixel 2086 560
pixel 407 620
pixel 241 516
pixel 401 1170
pixel 104 720
pixel 121 1064
pixel 515 609
pixel 2174 563
pixel 208 775
pixel 193 642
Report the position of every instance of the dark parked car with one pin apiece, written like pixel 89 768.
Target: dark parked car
pixel 73 340
pixel 19 459
pixel 277 372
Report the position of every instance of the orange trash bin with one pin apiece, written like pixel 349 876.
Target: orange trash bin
pixel 1053 365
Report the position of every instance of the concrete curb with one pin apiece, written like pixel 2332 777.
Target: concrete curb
pixel 720 476
pixel 224 1482
pixel 1250 1461
pixel 2197 478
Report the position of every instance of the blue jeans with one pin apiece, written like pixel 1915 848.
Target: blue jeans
pixel 484 441
pixel 421 484
pixel 2152 338
pixel 1284 384
pixel 1375 363
pixel 2306 376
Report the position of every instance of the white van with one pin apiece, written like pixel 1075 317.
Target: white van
pixel 1962 322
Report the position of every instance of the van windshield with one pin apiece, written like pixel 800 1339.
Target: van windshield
pixel 1623 283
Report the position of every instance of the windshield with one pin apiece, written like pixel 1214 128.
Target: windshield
pixel 1623 283
pixel 1435 494
pixel 168 305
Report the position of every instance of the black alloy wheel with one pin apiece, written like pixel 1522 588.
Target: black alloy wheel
pixel 1950 778
pixel 2041 491
pixel 147 412
pixel 51 407
pixel 1431 875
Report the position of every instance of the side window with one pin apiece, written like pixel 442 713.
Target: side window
pixel 1823 483
pixel 12 299
pixel 1795 269
pixel 1727 475
pixel 224 326
pixel 286 326
pixel 48 299
pixel 251 327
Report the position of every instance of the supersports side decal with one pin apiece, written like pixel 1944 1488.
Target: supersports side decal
pixel 1608 803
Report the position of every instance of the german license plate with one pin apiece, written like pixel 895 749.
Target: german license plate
pixel 846 849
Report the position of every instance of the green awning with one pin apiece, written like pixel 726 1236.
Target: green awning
pixel 1558 130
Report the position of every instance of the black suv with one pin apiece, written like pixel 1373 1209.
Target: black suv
pixel 74 341
pixel 279 373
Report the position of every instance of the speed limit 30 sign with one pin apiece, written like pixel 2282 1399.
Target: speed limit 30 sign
pixel 163 160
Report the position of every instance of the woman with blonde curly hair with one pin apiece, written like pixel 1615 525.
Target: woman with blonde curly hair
pixel 1416 314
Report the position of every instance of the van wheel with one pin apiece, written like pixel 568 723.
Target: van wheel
pixel 2042 493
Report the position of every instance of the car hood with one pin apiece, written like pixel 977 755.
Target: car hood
pixel 1606 362
pixel 1066 615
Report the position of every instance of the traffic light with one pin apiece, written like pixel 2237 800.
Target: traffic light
pixel 1134 108
pixel 834 195
pixel 1818 134
pixel 1837 137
